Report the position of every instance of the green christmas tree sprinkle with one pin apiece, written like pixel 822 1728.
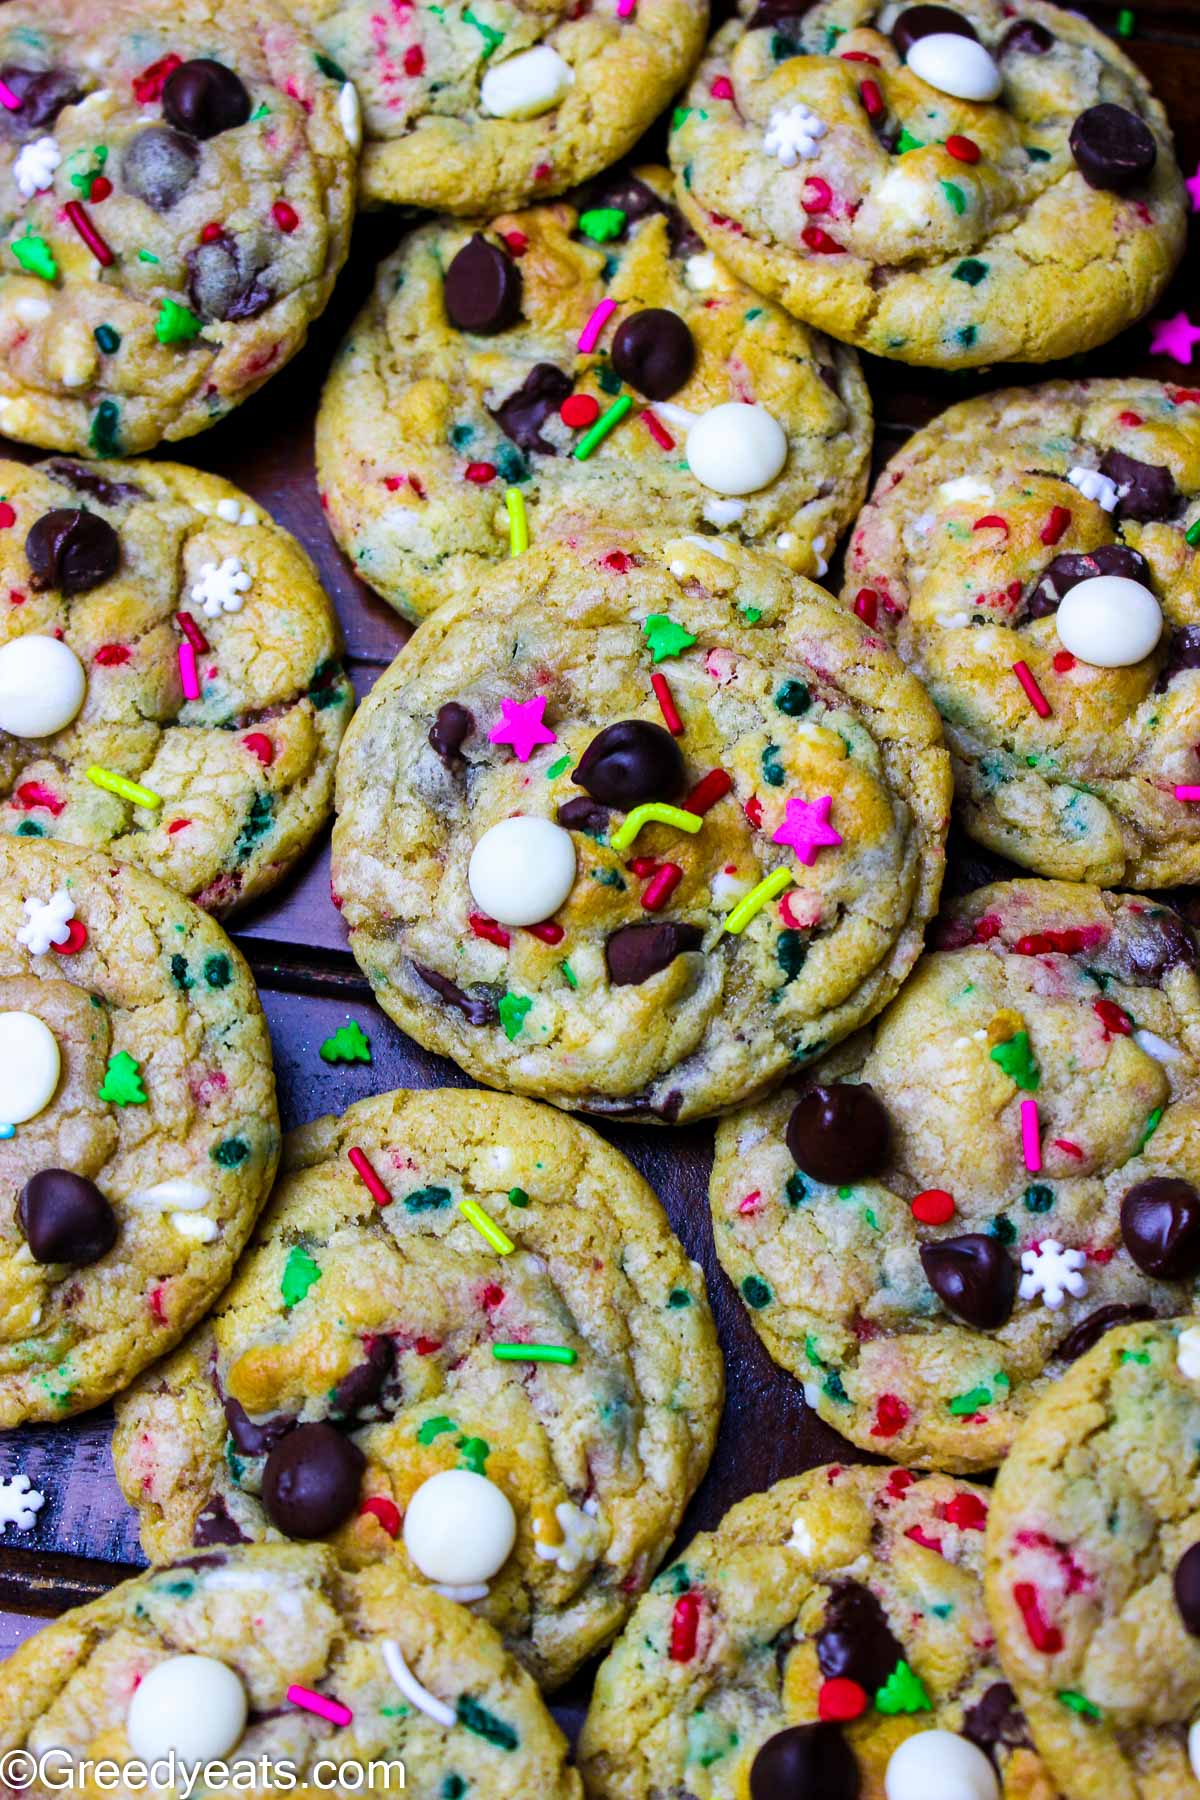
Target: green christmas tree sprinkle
pixel 349 1044
pixel 665 638
pixel 902 1692
pixel 512 1009
pixel 122 1085
pixel 299 1274
pixel 176 324
pixel 1015 1056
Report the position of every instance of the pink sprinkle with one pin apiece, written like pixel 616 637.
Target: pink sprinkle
pixel 1186 792
pixel 590 334
pixel 722 88
pixel 8 98
pixel 657 430
pixel 1031 1136
pixel 1033 692
pixel 307 1701
pixel 625 8
pixel 187 671
pixel 751 1203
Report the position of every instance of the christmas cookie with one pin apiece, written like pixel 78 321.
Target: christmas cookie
pixel 641 829
pixel 285 1666
pixel 176 191
pixel 468 108
pixel 829 1639
pixel 138 1130
pixel 584 361
pixel 1033 556
pixel 171 689
pixel 1093 1568
pixel 967 1197
pixel 465 1341
pixel 931 183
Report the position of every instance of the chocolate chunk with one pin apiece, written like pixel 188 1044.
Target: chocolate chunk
pixel 1115 150
pixel 482 288
pixel 637 200
pixel 1074 566
pixel 1145 946
pixel 636 952
pixel 1026 38
pixel 204 98
pixel 654 351
pixel 43 94
pixel 224 281
pixel 255 1440
pixel 855 1641
pixel 806 1762
pixel 785 16
pixel 72 551
pixel 159 166
pixel 840 1133
pixel 90 481
pixel 1089 1331
pixel 974 1277
pixel 1183 652
pixel 450 730
pixel 66 1218
pixel 1187 1589
pixel 1160 1227
pixel 523 414
pixel 1148 490
pixel 475 1009
pixel 214 1525
pixel 364 1384
pixel 996 1719
pixel 583 815
pixel 312 1481
pixel 629 762
pixel 927 21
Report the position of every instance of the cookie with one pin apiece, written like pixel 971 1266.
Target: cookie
pixel 480 106
pixel 931 183
pixel 829 1636
pixel 966 1197
pixel 640 830
pixel 285 1666
pixel 176 192
pixel 138 1128
pixel 1092 1568
pixel 171 686
pixel 484 1358
pixel 465 379
pixel 1030 556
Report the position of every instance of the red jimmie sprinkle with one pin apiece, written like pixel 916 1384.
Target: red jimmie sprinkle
pixel 685 1624
pixel 866 605
pixel 192 632
pixel 871 98
pixel 386 1511
pixel 260 745
pixel 368 1177
pixel 991 522
pixel 486 928
pixel 752 810
pixel 7 515
pixel 548 932
pixel 154 1300
pixel 666 705
pixel 819 241
pixel 491 1297
pixel 708 790
pixel 967 1511
pixel 74 211
pixel 1069 1148
pixel 1066 943
pixel 1055 525
pixel 1033 692
pixel 177 825
pixel 285 216
pixel 923 1538
pixel 1043 1636
pixel 427 1346
pixel 618 562
pixel 898 1483
pixel 414 60
pixel 1110 1015
pixel 74 941
pixel 962 149
pixel 1130 418
pixel 579 410
pixel 891 1416
pixel 109 656
pixel 35 793
pixel 859 56
pixel 661 886
pixel 816 195
pixel 657 430
pixel 481 472
pixel 840 1699
pixel 149 84
pixel 934 1207
pixel 641 866
pixel 722 88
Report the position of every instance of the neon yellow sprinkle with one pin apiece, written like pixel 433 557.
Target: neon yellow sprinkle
pixel 128 790
pixel 487 1227
pixel 518 522
pixel 653 813
pixel 757 898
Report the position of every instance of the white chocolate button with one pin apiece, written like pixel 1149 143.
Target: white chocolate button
pixel 735 448
pixel 940 1765
pixel 1109 621
pixel 459 1528
pixel 42 685
pixel 31 1063
pixel 193 1705
pixel 526 84
pixel 522 870
pixel 955 65
pixel 1187 1353
pixel 1194 1749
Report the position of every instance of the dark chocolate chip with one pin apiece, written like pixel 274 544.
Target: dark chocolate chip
pixel 1145 946
pixel 629 762
pixel 450 731
pixel 476 1009
pixel 974 1277
pixel 583 815
pixel 785 16
pixel 1147 490
pixel 637 200
pixel 251 1439
pixel 43 94
pixel 927 21
pixel 840 1133
pixel 1115 150
pixel 996 1719
pixel 1183 652
pixel 364 1384
pixel 1187 1589
pixel 90 481
pixel 66 1218
pixel 159 166
pixel 482 288
pixel 523 414
pixel 72 551
pixel 214 1525
pixel 224 280
pixel 855 1640
pixel 806 1762
pixel 1074 566
pixel 1026 38
pixel 312 1481
pixel 654 351
pixel 636 952
pixel 1089 1331
pixel 204 98
pixel 1160 1227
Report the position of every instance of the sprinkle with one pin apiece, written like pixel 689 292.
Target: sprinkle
pixel 1030 1136
pixel 35 256
pixel 1186 791
pixel 1079 1703
pixel 1125 25
pixel 481 473
pixel 653 812
pixel 487 1227
pixel 127 790
pixel 386 1511
pixel 1192 535
pixel 122 1084
pixel 348 1044
pixel 964 1406
pixel 9 99
pixel 602 427
pixel 1033 692
pixel 1045 1638
pixel 820 242
pixel 148 86
pixel 840 1699
pixel 488 930
pixel 902 1692
pixel 806 828
pixel 572 980
pixel 535 1353
pixel 512 1009
pixel 146 256
pixel 1057 522
pixel 758 897
pixel 662 436
pixel 579 411
pixel 962 149
pixel 518 521
pixel 708 790
pixel 176 324
pixel 74 211
pixel 626 8
pixel 685 1626
pixel 368 1177
pixel 671 718
pixel 411 1688
pixel 331 1710
pixel 187 671
pixel 821 197
pixel 602 223
pixel 955 196
pixel 932 1207
pixel 1175 337
pixel 661 886
pixel 192 632
pixel 259 745
pixel 866 605
pixel 595 325
pixel 522 726
pixel 664 638
pixel 285 216
pixel 871 98
pixel 1015 1056
pixel 991 521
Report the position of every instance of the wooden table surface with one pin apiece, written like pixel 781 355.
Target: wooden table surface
pixel 85 1537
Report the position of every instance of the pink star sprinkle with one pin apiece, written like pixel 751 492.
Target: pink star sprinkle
pixel 1193 188
pixel 806 828
pixel 1174 337
pixel 521 726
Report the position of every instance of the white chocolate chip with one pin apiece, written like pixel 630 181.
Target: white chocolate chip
pixel 736 449
pixel 42 686
pixel 29 1056
pixel 956 65
pixel 940 1765
pixel 522 870
pixel 1187 1352
pixel 965 487
pixel 192 1705
pixel 1109 621
pixel 527 84
pixel 195 1225
pixel 459 1528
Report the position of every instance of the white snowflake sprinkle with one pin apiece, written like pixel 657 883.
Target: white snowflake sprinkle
pixel 581 1539
pixel 1095 486
pixel 34 168
pixel 1053 1273
pixel 793 132
pixel 46 922
pixel 1187 1353
pixel 20 1502
pixel 222 587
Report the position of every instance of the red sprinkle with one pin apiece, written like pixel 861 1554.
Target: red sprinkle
pixel 154 1300
pixel 662 693
pixel 871 98
pixel 859 56
pixel 517 242
pixel 74 211
pixel 483 927
pixel 813 238
pixel 657 430
pixel 7 515
pixel 386 1511
pixel 618 562
pixel 1033 692
pixel 177 825
pixel 1064 662
pixel 481 472
pixel 933 1207
pixel 641 866
pixel 212 231
pixel 685 1624
pixel 866 605
pixel 427 1346
pixel 368 1177
pixel 260 745
pixel 150 83
pixel 1116 1022
pixel 891 1416
pixel 752 810
pixel 1066 943
pixel 192 633
pixel 75 940
pixel 840 1699
pixel 1069 1148
pixel 414 60
pixel 1043 1636
pixel 1130 418
pixel 101 189
pixel 548 932
pixel 661 886
pixel 967 1511
pixel 923 1538
pixel 821 198
pixel 579 411
pixel 1056 524
pixel 491 1297
pixel 898 1483
pixel 991 521
pixel 35 793
pixel 110 655
pixel 962 149
pixel 722 88
pixel 708 790
pixel 285 216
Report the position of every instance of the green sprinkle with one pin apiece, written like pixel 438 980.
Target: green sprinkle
pixel 1135 1356
pixel 608 378
pixel 1038 1197
pixel 1035 154
pixel 536 1353
pixel 966 337
pixel 1079 1703
pixel 602 427
pixel 955 195
pixel 1151 1127
pixel 774 773
pixel 122 1084
pixel 262 111
pixel 427 1199
pixel 902 1692
pixel 834 1388
pixel 1125 23
pixel 349 1044
pixel 795 1189
pixel 568 971
pixel 558 768
pixel 1192 534
pixel 512 1010
pixel 756 1292
pixel 602 223
pixel 1003 1229
pixel 678 116
pixel 963 1405
pixel 474 1717
pixel 108 339
pixel 231 1154
pixel 791 949
pixel 218 971
pixel 677 1298
pixel 793 698
pixel 179 974
pixel 35 257
pixel 299 1274
pixel 492 39
pixel 328 67
pixel 1015 1056
pixel 518 1197
pixel 752 614
pixel 146 256
pixel 665 638
pixel 433 1428
pixel 473 1453
pixel 453 1788
pixel 29 828
pixel 970 270
pixel 906 142
pixel 176 324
